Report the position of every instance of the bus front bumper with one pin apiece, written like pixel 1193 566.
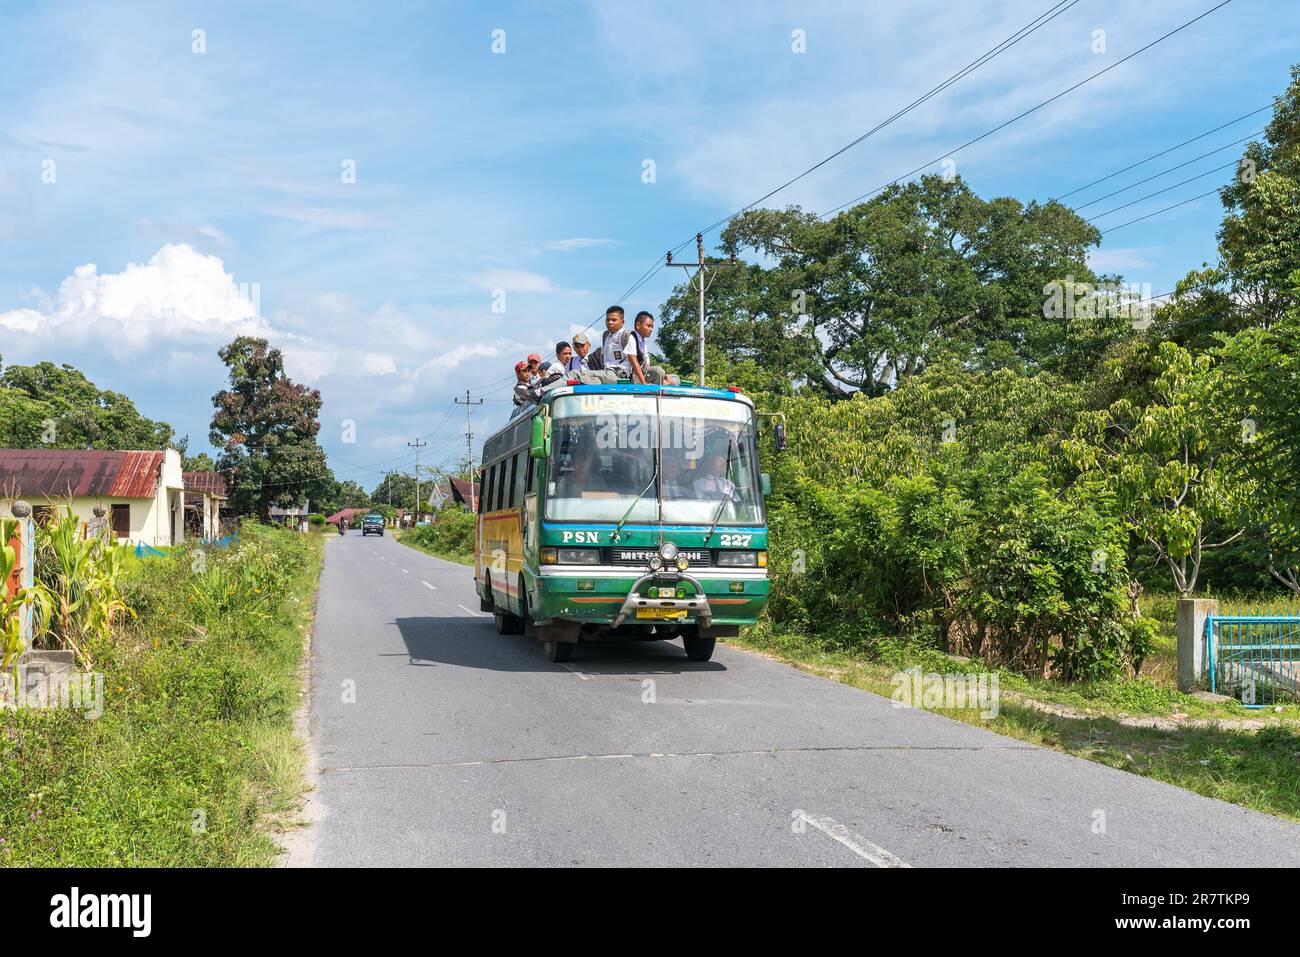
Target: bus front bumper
pixel 601 596
pixel 696 606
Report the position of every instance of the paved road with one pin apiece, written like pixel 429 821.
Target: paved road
pixel 464 747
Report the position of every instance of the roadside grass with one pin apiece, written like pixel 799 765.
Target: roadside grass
pixel 194 761
pixel 1139 725
pixel 414 538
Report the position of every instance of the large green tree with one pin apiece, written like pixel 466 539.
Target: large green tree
pixel 871 296
pixel 1259 240
pixel 56 406
pixel 266 426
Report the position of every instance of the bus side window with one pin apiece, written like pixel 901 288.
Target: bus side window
pixel 501 484
pixel 511 500
pixel 491 493
pixel 521 478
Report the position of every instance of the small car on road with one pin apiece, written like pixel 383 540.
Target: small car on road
pixel 372 524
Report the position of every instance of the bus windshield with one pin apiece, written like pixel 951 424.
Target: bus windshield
pixel 603 455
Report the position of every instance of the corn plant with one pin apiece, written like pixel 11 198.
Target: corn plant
pixel 81 577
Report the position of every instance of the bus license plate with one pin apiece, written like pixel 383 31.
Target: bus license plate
pixel 660 613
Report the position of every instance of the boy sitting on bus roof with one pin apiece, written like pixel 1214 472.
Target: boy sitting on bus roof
pixel 525 392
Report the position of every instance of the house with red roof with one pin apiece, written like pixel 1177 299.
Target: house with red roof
pixel 136 496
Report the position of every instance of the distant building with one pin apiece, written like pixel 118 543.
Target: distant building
pixel 205 494
pixel 294 515
pixel 465 492
pixel 142 494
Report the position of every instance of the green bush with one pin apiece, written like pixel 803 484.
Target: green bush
pixel 451 533
pixel 938 517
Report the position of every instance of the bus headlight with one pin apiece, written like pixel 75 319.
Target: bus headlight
pixel 656 563
pixel 668 551
pixel 682 563
pixel 737 559
pixel 579 556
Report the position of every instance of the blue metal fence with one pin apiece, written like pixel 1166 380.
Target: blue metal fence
pixel 1254 658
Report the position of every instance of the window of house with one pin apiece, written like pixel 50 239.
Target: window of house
pixel 121 516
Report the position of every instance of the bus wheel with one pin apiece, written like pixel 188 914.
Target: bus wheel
pixel 507 623
pixel 557 651
pixel 698 647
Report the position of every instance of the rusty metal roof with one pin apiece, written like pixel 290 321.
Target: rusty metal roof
pixel 60 473
pixel 465 492
pixel 209 483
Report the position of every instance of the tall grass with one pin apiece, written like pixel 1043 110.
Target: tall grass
pixel 194 759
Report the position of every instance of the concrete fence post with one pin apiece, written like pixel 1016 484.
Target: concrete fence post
pixel 1193 650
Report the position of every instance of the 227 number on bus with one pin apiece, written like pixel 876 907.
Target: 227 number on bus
pixel 736 541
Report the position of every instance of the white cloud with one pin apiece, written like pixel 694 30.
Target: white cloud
pixel 375 363
pixel 179 295
pixel 578 242
pixel 513 280
pixel 332 218
pixel 1121 259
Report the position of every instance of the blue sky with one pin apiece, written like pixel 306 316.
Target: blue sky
pixel 179 175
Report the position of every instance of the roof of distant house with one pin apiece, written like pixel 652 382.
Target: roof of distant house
pixel 464 492
pixel 347 513
pixel 79 473
pixel 209 483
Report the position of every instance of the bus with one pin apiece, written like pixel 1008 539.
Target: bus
pixel 624 511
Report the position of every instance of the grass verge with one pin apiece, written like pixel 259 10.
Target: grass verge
pixel 412 538
pixel 194 760
pixel 1255 764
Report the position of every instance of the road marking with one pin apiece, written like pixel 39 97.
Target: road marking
pixel 428 586
pixel 575 671
pixel 405 572
pixel 856 843
pixel 476 614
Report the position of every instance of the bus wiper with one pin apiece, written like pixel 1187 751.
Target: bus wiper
pixel 623 521
pixel 726 472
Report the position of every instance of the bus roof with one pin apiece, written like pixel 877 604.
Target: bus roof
pixel 520 433
pixel 636 389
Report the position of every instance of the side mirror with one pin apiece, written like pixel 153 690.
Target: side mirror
pixel 539 446
pixel 780 436
pixel 765 483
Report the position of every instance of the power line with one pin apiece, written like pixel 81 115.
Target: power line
pixel 1217 169
pixel 1159 211
pixel 1033 109
pixel 1040 21
pixel 1164 152
pixel 1125 189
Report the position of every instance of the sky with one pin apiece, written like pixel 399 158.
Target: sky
pixel 406 198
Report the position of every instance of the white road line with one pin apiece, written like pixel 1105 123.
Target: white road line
pixel 575 671
pixel 427 585
pixel 476 614
pixel 405 572
pixel 858 845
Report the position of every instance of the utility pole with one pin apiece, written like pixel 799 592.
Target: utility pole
pixel 417 445
pixel 469 442
pixel 700 279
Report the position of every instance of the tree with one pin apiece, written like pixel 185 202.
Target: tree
pixel 400 488
pixel 266 426
pixel 198 463
pixel 56 406
pixel 1256 385
pixel 871 296
pixel 1259 240
pixel 1163 463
